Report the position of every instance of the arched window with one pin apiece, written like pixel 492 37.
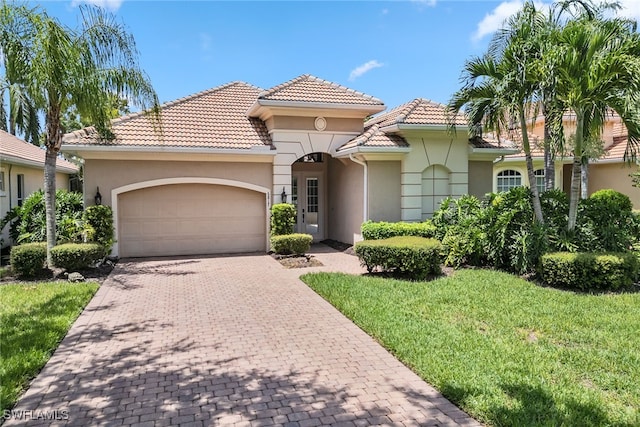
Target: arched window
pixel 539 173
pixel 508 179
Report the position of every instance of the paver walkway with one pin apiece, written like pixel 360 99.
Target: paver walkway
pixel 235 340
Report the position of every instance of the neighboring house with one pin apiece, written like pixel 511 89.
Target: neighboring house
pixel 225 155
pixel 22 173
pixel 610 171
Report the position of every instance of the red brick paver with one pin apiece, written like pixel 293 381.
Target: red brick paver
pixel 236 341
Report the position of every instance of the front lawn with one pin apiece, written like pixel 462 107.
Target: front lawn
pixel 506 351
pixel 34 317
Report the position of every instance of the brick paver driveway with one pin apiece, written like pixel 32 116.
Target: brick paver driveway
pixel 225 341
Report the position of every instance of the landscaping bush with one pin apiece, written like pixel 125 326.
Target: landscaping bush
pixel 383 230
pixel 28 222
pixel 76 256
pixel 454 212
pixel 99 225
pixel 291 243
pixel 408 255
pixel 28 259
pixel 283 219
pixel 587 271
pixel 606 222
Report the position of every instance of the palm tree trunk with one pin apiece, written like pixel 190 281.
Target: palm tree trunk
pixel 584 179
pixel 54 140
pixel 574 196
pixel 537 208
pixel 549 166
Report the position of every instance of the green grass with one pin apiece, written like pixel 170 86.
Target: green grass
pixel 505 350
pixel 34 317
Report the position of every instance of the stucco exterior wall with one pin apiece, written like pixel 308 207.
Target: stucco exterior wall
pixel 345 195
pixel 334 124
pixel 480 178
pixel 616 177
pixel 430 149
pixel 384 190
pixel 521 167
pixel 111 174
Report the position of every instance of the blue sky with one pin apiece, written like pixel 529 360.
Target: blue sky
pixel 396 51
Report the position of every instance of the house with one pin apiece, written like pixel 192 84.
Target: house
pixel 611 171
pixel 22 173
pixel 205 184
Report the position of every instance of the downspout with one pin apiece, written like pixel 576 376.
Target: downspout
pixel 365 198
pixel 10 204
pixel 501 159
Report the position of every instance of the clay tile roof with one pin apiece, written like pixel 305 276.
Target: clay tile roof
pixel 374 137
pixel 420 111
pixel 215 118
pixel 307 88
pixel 491 142
pixel 616 150
pixel 15 150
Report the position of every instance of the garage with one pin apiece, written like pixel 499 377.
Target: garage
pixel 191 219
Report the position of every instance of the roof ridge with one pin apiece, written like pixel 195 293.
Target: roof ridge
pixel 313 78
pixel 368 134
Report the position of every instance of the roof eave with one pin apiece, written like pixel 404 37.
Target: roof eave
pixel 255 150
pixel 399 127
pixel 365 149
pixel 368 108
pixel 33 163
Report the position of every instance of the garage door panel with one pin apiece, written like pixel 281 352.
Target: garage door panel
pixel 191 219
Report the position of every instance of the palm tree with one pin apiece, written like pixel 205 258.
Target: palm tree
pixel 598 64
pixel 499 91
pixel 57 67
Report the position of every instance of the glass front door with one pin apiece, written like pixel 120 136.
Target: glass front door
pixel 306 196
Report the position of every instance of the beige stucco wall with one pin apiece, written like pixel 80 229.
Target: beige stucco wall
pixel 428 149
pixel 111 174
pixel 345 216
pixel 33 181
pixel 384 190
pixel 616 177
pixel 333 124
pixel 521 167
pixel 480 178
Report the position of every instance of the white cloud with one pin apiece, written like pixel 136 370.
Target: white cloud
pixel 205 42
pixel 364 68
pixel 429 3
pixel 494 20
pixel 630 9
pixel 112 5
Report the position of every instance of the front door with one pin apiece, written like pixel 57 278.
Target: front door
pixel 306 189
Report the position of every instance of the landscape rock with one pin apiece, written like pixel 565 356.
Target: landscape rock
pixel 75 277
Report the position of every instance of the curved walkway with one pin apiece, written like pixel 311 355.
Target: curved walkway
pixel 230 340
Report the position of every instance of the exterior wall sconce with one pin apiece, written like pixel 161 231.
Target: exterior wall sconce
pixel 283 195
pixel 98 197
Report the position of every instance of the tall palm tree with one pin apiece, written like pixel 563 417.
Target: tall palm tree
pixel 57 67
pixel 499 91
pixel 598 64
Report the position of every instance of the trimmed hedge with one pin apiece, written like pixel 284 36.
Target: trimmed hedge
pixel 408 255
pixel 384 230
pixel 99 219
pixel 77 256
pixel 588 271
pixel 28 260
pixel 291 243
pixel 283 219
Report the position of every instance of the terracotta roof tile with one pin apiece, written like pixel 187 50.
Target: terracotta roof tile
pixel 616 150
pixel 14 149
pixel 374 137
pixel 308 88
pixel 420 111
pixel 215 118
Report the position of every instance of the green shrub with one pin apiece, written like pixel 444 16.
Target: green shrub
pixel 99 225
pixel 465 209
pixel 76 256
pixel 464 244
pixel 383 230
pixel 589 271
pixel 28 259
pixel 408 255
pixel 28 222
pixel 283 219
pixel 605 222
pixel 291 243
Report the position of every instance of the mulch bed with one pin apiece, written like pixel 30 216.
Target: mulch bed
pixel 97 274
pixel 297 261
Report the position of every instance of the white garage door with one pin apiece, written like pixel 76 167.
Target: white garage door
pixel 190 219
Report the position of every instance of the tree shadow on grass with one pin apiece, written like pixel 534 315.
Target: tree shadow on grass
pixel 534 406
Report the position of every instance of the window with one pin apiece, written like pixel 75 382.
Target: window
pixel 508 179
pixel 539 173
pixel 20 189
pixel 2 181
pixel 312 195
pixel 311 158
pixel 294 191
